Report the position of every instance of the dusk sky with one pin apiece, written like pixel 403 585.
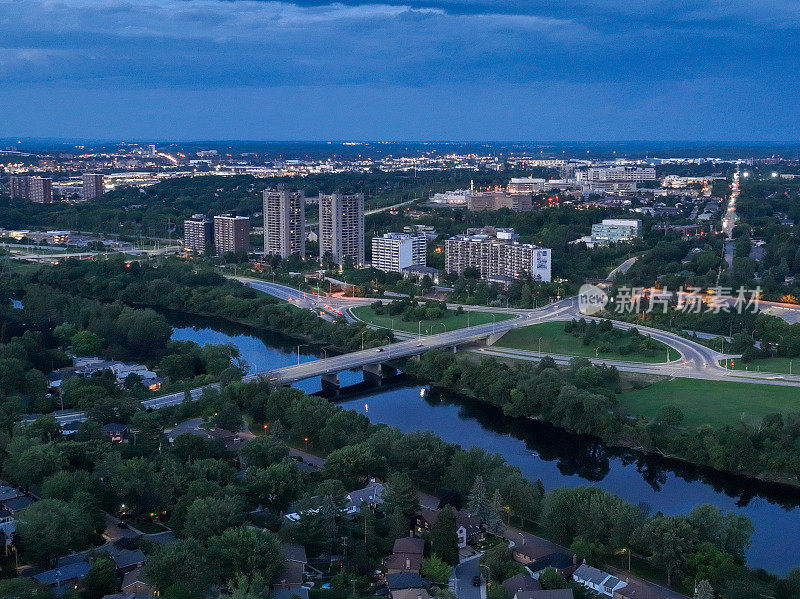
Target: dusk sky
pixel 408 70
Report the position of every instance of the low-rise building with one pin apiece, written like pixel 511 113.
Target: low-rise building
pixel 615 230
pixel 597 580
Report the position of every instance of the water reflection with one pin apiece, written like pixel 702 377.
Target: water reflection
pixel 540 450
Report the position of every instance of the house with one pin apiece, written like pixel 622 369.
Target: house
pixel 551 594
pixel 116 432
pixel 638 590
pixel 406 555
pixel 133 582
pixel 7 492
pixel 406 580
pixel 8 526
pixel 597 580
pixel 292 552
pixel 425 520
pixel 469 529
pixel 528 553
pixel 126 560
pixel 410 594
pixel 370 495
pixel 290 577
pixel 300 593
pixel 520 582
pixel 17 504
pixel 70 428
pixel 537 557
pixel 64 578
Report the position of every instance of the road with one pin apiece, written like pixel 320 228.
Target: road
pixel 461 580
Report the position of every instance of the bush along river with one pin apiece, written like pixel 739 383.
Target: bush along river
pixel 539 450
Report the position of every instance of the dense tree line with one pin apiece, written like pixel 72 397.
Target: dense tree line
pixel 607 338
pixel 581 398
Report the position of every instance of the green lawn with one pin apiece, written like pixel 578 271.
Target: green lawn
pixel 778 365
pixel 550 337
pixel 712 403
pixel 450 322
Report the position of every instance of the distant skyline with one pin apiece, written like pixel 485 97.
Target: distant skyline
pixel 411 70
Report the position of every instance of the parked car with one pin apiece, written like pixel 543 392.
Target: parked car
pixel 476 581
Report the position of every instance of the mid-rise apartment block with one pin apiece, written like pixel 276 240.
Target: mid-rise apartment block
pixel 616 173
pixel 495 200
pixel 231 234
pixel 497 254
pixel 341 226
pixel 35 189
pixel 198 233
pixel 392 252
pixel 284 223
pixel 613 230
pixel 92 186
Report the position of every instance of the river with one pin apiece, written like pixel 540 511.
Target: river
pixel 540 451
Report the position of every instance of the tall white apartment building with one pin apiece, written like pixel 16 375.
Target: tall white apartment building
pixel 497 254
pixel 392 252
pixel 284 223
pixel 341 226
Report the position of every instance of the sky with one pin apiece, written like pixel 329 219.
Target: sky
pixel 527 70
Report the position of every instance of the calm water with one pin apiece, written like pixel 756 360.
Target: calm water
pixel 542 451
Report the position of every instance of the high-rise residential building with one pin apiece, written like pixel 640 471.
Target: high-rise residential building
pixel 198 233
pixel 341 226
pixel 231 234
pixel 35 189
pixel 497 255
pixel 392 252
pixel 613 230
pixel 284 223
pixel 92 186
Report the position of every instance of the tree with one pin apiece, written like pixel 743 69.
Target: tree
pixel 494 514
pixel 243 587
pixel 228 418
pixel 245 551
pixel 399 494
pixel 86 343
pixel 444 541
pixel 183 562
pixel 478 499
pixel 263 451
pixel 703 590
pixel 435 570
pixel 211 516
pixel 51 528
pixel 24 587
pixel 668 540
pixel 551 579
pixel 101 579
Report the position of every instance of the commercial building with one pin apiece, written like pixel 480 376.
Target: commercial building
pixel 92 186
pixel 495 200
pixel 530 185
pixel 616 173
pixel 231 234
pixel 198 233
pixel 613 230
pixel 341 226
pixel 458 197
pixel 392 252
pixel 284 223
pixel 35 189
pixel 497 255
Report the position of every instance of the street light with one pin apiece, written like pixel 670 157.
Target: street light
pixel 488 572
pixel 298 352
pixel 362 339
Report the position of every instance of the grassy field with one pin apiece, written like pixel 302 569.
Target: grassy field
pixel 551 338
pixel 713 403
pixel 451 322
pixel 777 365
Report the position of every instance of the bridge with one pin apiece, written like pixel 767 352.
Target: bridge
pixel 373 360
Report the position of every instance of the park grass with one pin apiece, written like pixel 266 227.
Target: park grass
pixel 451 322
pixel 776 365
pixel 554 340
pixel 711 403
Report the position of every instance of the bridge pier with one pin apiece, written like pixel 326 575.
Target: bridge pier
pixel 375 373
pixel 330 382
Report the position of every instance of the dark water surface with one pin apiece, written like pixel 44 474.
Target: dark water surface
pixel 540 451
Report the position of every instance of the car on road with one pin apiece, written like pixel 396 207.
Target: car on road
pixel 379 349
pixel 476 581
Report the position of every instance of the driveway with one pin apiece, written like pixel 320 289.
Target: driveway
pixel 461 582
